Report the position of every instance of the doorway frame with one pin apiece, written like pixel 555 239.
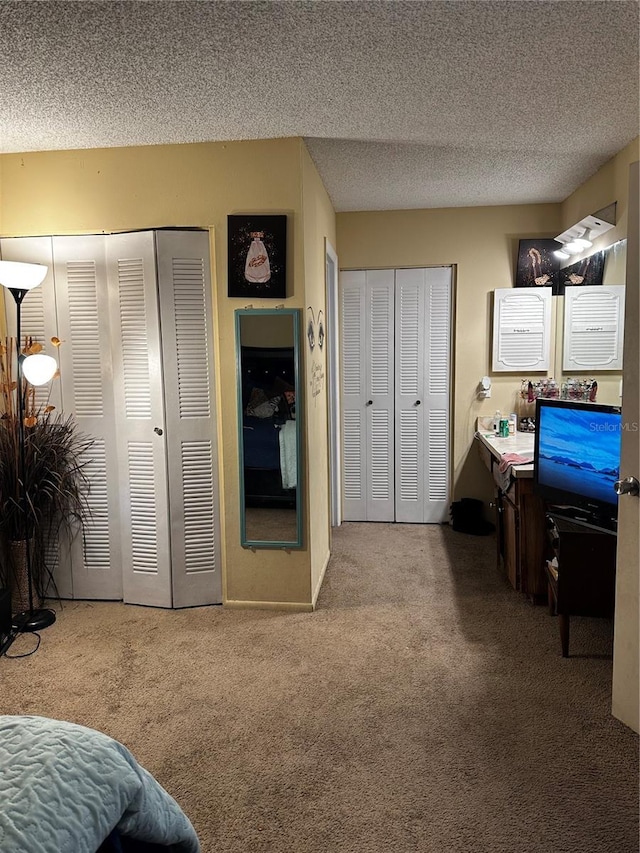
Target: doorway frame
pixel 333 374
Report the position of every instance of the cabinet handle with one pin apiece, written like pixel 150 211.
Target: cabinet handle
pixel 369 402
pixel 417 403
pixel 157 430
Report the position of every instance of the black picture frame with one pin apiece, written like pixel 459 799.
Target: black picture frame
pixel 587 271
pixel 537 265
pixel 257 256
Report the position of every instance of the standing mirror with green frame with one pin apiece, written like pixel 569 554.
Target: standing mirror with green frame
pixel 268 380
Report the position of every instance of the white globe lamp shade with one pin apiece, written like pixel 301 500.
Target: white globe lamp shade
pixel 39 369
pixel 19 276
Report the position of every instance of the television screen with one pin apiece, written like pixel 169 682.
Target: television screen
pixel 577 455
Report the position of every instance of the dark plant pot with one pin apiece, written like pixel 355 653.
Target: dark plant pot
pixel 19 577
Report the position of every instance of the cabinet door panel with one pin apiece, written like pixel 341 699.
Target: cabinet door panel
pixel 510 552
pixel 521 328
pixel 593 327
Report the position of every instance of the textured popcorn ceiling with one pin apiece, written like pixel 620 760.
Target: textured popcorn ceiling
pixel 402 105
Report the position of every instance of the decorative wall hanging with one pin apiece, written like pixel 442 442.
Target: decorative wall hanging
pixel 311 328
pixel 315 328
pixel 537 266
pixel 257 256
pixel 321 333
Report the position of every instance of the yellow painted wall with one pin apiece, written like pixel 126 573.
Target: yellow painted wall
pixel 609 184
pixel 319 225
pixel 119 189
pixel 482 243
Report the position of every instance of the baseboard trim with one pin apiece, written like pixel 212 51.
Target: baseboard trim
pixel 291 606
pixel 316 591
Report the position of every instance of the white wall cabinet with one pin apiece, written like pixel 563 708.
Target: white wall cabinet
pixel 134 314
pixel 521 329
pixel 395 394
pixel 593 327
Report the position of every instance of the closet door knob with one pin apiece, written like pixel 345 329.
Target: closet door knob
pixel 157 430
pixel 417 403
pixel 369 402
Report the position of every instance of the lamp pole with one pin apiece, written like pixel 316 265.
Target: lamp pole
pixel 13 274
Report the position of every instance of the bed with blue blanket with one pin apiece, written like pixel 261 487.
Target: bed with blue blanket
pixel 268 426
pixel 65 788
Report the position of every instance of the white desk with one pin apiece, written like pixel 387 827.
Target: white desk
pixel 521 443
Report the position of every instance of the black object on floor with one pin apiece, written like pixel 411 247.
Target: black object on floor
pixel 467 516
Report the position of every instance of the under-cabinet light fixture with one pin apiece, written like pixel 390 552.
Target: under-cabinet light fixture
pixel 580 236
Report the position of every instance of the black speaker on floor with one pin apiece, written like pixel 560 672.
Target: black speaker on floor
pixel 5 613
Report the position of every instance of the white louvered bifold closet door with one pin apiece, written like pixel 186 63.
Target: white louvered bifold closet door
pixel 187 342
pixel 593 327
pixel 138 388
pixel 423 308
pixel 368 395
pixel 82 304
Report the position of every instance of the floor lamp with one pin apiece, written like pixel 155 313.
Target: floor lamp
pixel 19 279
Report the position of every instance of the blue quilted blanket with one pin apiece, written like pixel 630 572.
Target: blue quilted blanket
pixel 64 787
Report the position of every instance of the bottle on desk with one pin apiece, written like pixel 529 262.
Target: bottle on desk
pixel 496 423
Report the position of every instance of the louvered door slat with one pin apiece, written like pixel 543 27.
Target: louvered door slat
pixel 191 336
pixel 408 479
pixel 134 338
pixel 352 319
pixel 199 503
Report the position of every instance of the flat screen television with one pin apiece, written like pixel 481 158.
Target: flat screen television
pixel 577 460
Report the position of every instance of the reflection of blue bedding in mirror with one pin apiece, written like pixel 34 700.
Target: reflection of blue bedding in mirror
pixel 261 443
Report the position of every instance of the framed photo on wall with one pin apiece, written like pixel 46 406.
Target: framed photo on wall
pixel 537 265
pixel 257 256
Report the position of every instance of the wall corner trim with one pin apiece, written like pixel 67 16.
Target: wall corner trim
pixel 292 606
pixel 316 591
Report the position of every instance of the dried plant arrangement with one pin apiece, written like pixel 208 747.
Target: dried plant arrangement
pixel 54 503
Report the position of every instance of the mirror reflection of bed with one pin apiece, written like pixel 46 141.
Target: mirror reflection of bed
pixel 267 373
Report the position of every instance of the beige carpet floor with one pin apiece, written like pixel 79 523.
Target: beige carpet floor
pixel 424 706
